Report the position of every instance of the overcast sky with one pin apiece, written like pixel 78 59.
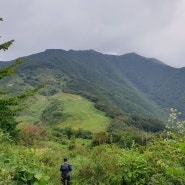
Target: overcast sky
pixel 151 28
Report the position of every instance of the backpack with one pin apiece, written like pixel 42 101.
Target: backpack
pixel 65 170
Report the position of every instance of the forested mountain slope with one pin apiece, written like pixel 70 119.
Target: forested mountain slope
pixel 129 83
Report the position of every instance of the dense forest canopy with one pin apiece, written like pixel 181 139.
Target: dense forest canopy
pixel 131 83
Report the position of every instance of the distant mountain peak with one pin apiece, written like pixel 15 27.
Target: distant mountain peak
pixel 133 83
pixel 157 61
pixel 132 56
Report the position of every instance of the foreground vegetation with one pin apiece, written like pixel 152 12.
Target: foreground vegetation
pixel 160 161
pixel 118 154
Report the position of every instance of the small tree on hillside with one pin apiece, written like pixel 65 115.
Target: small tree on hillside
pixel 100 138
pixel 31 134
pixel 9 105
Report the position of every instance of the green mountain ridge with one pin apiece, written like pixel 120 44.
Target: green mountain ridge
pixel 130 83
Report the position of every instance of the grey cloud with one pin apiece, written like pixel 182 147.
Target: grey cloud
pixel 147 27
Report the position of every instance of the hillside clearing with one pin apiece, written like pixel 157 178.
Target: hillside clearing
pixel 81 113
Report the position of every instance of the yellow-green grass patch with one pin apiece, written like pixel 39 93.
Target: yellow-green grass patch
pixel 35 106
pixel 81 113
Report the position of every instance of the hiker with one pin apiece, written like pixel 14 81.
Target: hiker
pixel 65 175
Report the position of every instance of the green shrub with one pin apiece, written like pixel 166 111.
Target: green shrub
pixel 20 166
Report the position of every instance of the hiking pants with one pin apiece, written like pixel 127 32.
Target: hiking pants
pixel 66 180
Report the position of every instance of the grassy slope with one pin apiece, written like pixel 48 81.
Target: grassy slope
pixel 34 110
pixel 80 112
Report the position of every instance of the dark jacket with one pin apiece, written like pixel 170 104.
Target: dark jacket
pixel 65 168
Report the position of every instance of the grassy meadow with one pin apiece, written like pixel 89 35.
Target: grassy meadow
pixel 79 113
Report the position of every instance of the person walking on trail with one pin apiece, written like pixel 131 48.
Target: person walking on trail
pixel 65 169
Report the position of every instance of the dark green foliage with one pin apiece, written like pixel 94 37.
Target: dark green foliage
pixel 53 113
pixel 116 84
pixel 84 134
pixel 4 46
pixel 9 70
pixel 8 105
pixel 7 112
pixel 92 73
pixel 124 130
pixel 70 133
pixel 146 123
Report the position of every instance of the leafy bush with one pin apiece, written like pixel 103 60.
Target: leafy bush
pixel 71 133
pixel 134 167
pixel 53 114
pixel 20 166
pixel 31 134
pixel 101 167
